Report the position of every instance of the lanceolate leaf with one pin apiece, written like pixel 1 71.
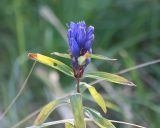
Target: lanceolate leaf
pixel 98 119
pixel 96 96
pixel 77 108
pixel 64 55
pixel 69 125
pixel 109 77
pixel 100 57
pixel 87 55
pixel 52 63
pixel 47 109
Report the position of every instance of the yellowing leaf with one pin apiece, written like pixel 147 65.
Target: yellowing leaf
pixel 98 119
pixel 109 77
pixel 46 111
pixel 96 96
pixel 52 63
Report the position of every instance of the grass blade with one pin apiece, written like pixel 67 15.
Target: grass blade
pixel 18 94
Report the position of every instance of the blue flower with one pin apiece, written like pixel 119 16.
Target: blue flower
pixel 80 39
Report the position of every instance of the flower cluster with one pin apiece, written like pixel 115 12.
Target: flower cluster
pixel 80 39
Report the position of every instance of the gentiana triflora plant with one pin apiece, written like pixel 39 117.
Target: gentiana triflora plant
pixel 80 41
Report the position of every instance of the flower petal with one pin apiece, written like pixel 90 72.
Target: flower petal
pixel 82 24
pixel 81 36
pixel 89 42
pixel 73 25
pixel 90 31
pixel 75 50
pixel 70 33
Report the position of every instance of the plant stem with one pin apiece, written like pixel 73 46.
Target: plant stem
pixel 78 81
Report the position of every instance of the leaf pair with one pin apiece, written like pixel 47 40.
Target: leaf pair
pixel 87 55
pixel 78 112
pixel 56 64
pixel 77 108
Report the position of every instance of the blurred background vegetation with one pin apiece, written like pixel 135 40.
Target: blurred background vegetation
pixel 128 30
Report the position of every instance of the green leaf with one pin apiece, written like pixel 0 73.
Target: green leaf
pixel 96 96
pixel 77 108
pixel 69 125
pixel 100 57
pixel 87 55
pixel 109 77
pixel 52 63
pixel 98 119
pixel 64 55
pixel 47 109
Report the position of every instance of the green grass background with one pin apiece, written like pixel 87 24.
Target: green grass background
pixel 128 30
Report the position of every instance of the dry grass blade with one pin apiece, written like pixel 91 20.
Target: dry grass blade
pixel 121 122
pixel 86 120
pixel 139 66
pixel 26 118
pixel 19 93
